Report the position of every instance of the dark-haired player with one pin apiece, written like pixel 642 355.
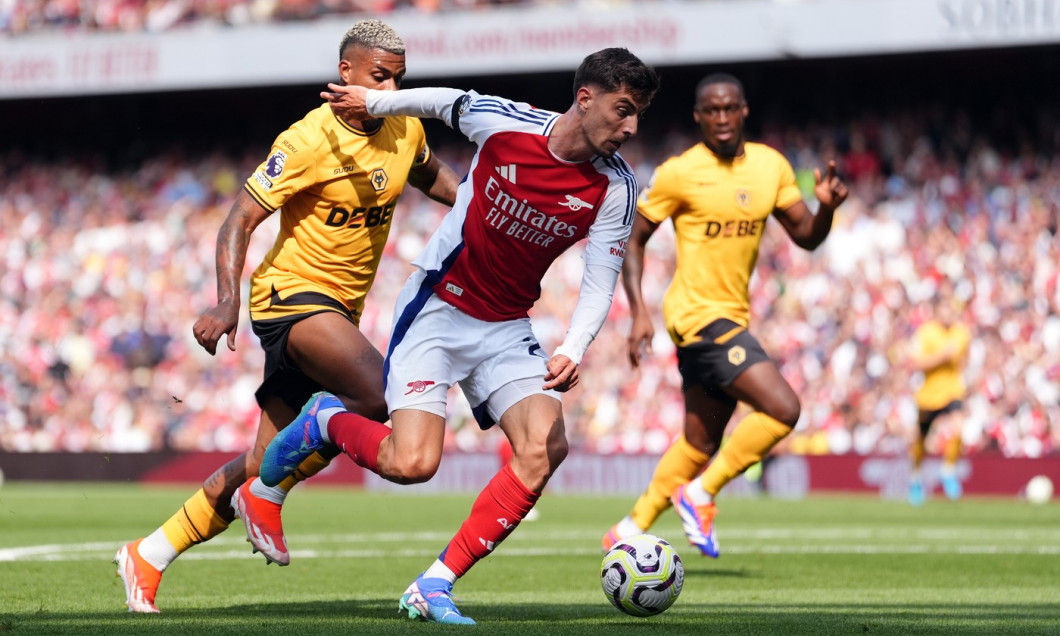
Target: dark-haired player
pixel 539 182
pixel 336 184
pixel 719 195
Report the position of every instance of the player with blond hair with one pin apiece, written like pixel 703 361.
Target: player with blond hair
pixel 336 184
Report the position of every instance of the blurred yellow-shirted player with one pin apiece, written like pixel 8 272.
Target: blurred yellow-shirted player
pixel 719 195
pixel 938 350
pixel 335 184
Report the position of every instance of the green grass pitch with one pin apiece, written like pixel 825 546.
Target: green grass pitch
pixel 825 565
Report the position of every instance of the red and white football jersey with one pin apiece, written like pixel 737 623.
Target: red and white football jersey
pixel 519 208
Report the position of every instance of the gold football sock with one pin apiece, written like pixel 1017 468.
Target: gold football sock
pixel 754 436
pixel 916 452
pixel 194 523
pixel 678 465
pixel 952 452
pixel 310 466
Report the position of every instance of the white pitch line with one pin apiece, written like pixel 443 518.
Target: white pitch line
pixel 738 540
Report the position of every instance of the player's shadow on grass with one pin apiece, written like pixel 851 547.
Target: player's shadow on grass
pixel 707 573
pixel 379 617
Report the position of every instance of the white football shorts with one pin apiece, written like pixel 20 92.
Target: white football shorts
pixel 434 345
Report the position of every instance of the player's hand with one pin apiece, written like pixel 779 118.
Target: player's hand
pixel 217 321
pixel 348 102
pixel 562 374
pixel 830 190
pixel 641 334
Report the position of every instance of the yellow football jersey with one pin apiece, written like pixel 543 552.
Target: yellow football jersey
pixel 944 383
pixel 719 211
pixel 336 188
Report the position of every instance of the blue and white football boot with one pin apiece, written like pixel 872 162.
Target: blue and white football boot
pixel 299 440
pixel 951 484
pixel 431 599
pixel 917 496
pixel 697 522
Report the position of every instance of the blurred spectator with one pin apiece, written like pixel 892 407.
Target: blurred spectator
pixel 18 17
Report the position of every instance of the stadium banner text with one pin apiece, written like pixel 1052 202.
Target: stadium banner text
pixel 517 40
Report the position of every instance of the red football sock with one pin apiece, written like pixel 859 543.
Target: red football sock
pixel 497 511
pixel 358 437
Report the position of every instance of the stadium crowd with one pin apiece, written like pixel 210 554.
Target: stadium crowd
pixel 104 271
pixel 18 17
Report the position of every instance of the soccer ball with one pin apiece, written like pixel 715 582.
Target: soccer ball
pixel 642 575
pixel 1039 489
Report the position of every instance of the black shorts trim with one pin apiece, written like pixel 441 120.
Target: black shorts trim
pixel 927 418
pixel 724 351
pixel 283 378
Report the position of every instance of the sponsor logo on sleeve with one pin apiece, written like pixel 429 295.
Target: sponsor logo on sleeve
pixel 465 103
pixel 274 164
pixel 262 180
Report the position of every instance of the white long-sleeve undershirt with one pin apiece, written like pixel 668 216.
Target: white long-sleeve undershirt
pixel 594 303
pixel 433 102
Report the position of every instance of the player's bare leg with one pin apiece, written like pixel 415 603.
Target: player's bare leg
pixel 951 453
pixel 776 411
pixel 333 352
pixel 260 510
pixel 917 494
pixel 705 418
pixel 142 562
pixel 534 426
pixel 707 414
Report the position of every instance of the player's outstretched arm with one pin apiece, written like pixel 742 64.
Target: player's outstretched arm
pixel 809 230
pixel 232 241
pixel 641 330
pixel 356 103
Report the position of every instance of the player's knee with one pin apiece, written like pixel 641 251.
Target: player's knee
pixel 557 452
pixel 412 469
pixel 537 461
pixel 541 459
pixel 788 412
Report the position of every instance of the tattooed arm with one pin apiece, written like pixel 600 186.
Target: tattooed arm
pixel 232 241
